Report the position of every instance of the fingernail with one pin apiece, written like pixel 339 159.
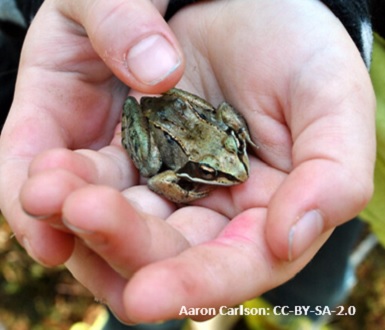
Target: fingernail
pixel 303 233
pixel 152 59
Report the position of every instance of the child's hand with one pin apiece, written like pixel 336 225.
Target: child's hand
pixel 77 59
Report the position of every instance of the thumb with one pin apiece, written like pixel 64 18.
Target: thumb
pixel 315 197
pixel 133 40
pixel 333 158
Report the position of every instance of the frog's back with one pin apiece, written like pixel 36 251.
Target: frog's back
pixel 184 125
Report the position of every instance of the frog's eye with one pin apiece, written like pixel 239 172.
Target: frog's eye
pixel 206 172
pixel 199 172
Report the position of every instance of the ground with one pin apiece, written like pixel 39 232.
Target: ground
pixel 36 298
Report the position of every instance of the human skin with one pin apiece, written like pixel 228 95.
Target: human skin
pixel 71 194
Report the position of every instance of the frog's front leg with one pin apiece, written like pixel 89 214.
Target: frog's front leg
pixel 228 115
pixel 169 185
pixel 138 140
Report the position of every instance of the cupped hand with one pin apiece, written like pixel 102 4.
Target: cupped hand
pixel 294 73
pixel 70 92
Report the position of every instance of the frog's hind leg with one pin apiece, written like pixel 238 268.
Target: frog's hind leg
pixel 176 190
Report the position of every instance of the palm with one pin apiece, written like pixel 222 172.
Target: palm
pixel 272 90
pixel 76 81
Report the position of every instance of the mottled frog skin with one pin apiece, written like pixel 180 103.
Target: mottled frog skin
pixel 184 145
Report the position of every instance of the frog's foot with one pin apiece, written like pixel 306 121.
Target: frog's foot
pixel 177 190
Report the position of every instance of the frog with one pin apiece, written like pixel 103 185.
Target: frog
pixel 184 145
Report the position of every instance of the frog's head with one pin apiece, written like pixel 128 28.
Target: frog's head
pixel 226 167
pixel 222 162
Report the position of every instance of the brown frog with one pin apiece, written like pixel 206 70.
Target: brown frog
pixel 184 145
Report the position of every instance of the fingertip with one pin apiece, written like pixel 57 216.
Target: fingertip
pixel 43 194
pixel 315 198
pixel 290 243
pixel 136 43
pixel 153 61
pixel 303 233
pixel 294 218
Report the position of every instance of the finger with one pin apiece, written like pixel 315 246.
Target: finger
pixel 238 258
pixel 197 224
pixel 128 239
pixel 332 123
pixel 108 166
pixel 133 40
pixel 54 174
pixel 42 195
pixel 121 235
pixel 316 197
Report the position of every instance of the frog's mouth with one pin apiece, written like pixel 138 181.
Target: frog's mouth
pixel 220 181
